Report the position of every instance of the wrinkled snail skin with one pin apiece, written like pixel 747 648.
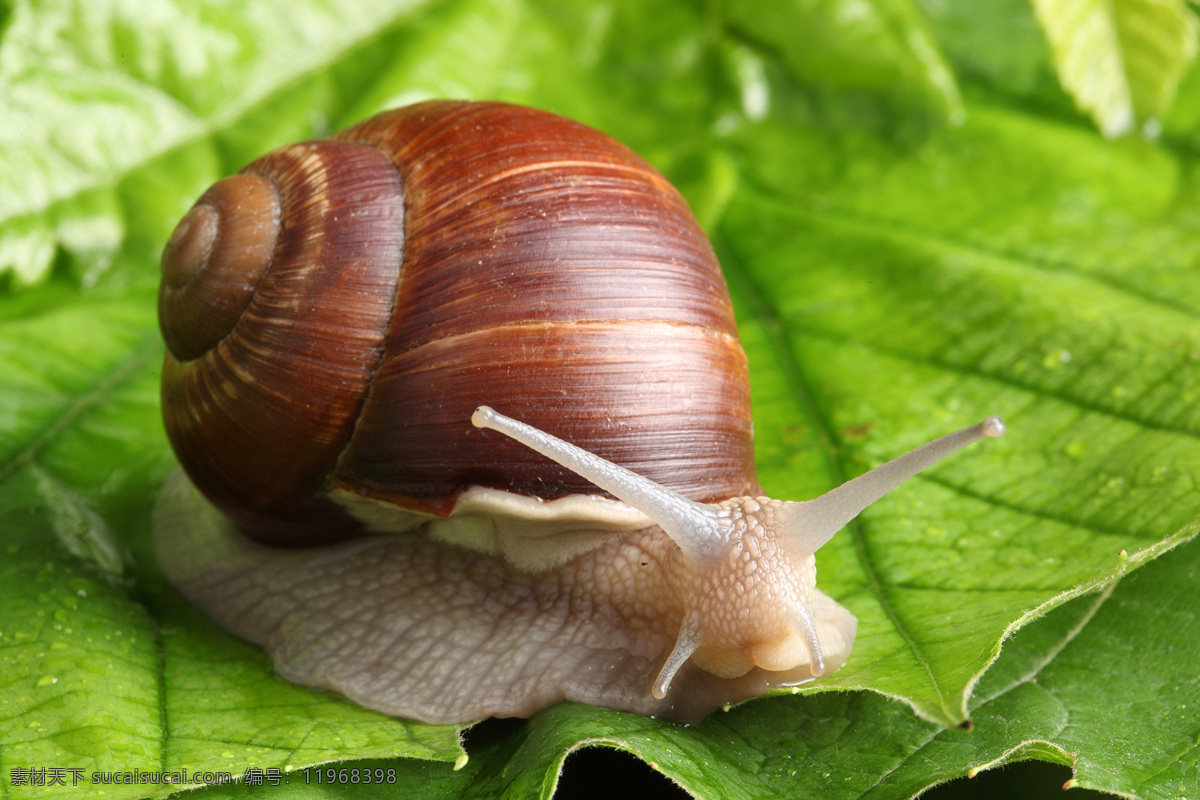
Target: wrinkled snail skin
pixel 338 318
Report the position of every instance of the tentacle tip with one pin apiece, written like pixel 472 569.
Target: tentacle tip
pixel 993 427
pixel 482 417
pixel 662 684
pixel 685 645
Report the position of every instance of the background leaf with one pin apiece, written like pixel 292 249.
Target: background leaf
pixel 84 111
pixel 895 277
pixel 1121 59
pixel 880 49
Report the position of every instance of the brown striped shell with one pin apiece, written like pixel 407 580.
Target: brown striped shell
pixel 335 312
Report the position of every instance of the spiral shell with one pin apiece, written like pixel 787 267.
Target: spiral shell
pixel 336 311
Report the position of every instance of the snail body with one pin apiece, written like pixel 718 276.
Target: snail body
pixel 336 317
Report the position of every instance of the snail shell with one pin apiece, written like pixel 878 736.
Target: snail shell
pixel 334 315
pixel 335 312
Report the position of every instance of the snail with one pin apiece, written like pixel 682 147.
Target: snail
pixel 342 316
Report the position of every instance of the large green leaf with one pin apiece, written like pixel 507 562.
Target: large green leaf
pixel 894 279
pixel 1050 696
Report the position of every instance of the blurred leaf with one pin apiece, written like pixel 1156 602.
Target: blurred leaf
pixel 879 47
pixel 83 110
pixel 1122 60
pixel 893 281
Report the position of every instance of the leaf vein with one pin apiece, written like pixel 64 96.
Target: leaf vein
pixel 161 676
pixel 872 225
pixel 971 371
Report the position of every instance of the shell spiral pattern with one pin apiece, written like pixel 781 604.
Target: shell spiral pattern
pixel 422 263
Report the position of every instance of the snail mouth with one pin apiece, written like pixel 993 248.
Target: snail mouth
pixel 785 652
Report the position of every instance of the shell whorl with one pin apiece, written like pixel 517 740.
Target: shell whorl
pixel 260 417
pixel 440 257
pixel 214 260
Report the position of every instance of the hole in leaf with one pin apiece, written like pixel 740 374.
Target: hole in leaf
pixel 1029 780
pixel 606 772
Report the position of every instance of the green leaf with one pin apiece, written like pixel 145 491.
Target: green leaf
pixel 880 47
pixel 83 111
pixel 1074 688
pixel 1149 616
pixel 893 281
pixel 103 669
pixel 1121 60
